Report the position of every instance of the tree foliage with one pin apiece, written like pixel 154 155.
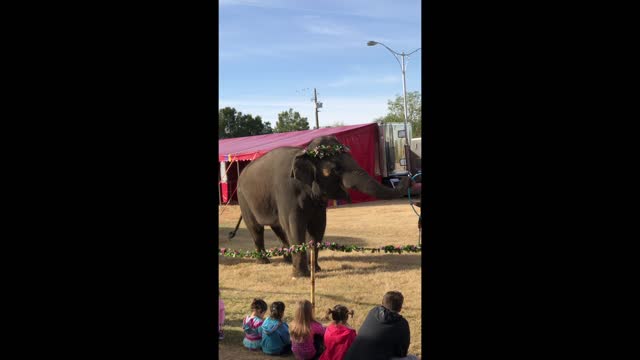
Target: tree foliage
pixel 414 111
pixel 232 123
pixel 291 121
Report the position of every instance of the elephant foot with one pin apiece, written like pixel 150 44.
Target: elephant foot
pixel 299 274
pixel 287 259
pixel 263 260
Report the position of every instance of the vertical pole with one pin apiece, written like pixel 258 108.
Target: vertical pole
pixel 407 149
pixel 238 178
pixel 315 100
pixel 223 179
pixel 313 274
pixel 420 230
pixel 219 186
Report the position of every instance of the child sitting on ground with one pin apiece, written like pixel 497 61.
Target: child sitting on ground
pixel 275 332
pixel 220 317
pixel 252 323
pixel 304 328
pixel 339 335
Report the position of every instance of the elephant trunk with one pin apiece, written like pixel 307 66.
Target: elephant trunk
pixel 359 179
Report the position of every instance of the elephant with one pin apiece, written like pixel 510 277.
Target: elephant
pixel 288 188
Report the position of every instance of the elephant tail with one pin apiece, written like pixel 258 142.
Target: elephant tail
pixel 233 233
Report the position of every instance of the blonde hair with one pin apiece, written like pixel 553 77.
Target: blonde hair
pixel 300 327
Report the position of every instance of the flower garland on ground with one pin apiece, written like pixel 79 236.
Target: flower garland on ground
pixel 325 151
pixel 320 246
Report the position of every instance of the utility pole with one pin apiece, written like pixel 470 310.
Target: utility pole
pixel 315 101
pixel 403 66
pixel 407 147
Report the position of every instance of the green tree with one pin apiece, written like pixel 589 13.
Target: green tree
pixel 267 129
pixel 390 118
pixel 232 123
pixel 291 121
pixel 414 111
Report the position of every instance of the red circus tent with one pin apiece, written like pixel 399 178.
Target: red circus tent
pixel 236 153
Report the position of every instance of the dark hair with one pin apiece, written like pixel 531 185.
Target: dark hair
pixel 393 300
pixel 339 314
pixel 258 304
pixel 277 310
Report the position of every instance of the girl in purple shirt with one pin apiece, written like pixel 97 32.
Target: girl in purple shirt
pixel 220 317
pixel 303 329
pixel 251 325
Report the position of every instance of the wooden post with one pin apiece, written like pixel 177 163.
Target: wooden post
pixel 420 229
pixel 313 275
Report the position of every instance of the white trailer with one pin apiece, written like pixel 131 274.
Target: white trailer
pixel 391 152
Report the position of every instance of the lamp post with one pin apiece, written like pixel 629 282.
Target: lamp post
pixel 403 66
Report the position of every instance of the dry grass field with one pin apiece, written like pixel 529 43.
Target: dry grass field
pixel 356 280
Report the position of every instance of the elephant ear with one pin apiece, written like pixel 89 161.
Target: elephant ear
pixel 303 170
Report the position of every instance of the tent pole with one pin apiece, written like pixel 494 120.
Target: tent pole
pixel 238 178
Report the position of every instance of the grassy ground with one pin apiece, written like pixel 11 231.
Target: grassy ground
pixel 356 280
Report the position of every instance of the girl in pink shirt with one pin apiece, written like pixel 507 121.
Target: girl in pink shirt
pixel 303 329
pixel 220 317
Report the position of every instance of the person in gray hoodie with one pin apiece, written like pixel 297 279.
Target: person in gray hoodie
pixel 384 334
pixel 275 332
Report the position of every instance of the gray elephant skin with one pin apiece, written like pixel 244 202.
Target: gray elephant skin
pixel 287 189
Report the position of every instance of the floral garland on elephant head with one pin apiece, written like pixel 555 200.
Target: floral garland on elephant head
pixel 326 151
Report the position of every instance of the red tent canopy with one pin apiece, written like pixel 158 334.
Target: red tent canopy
pixel 361 139
pixel 252 147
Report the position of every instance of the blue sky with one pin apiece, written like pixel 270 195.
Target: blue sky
pixel 274 52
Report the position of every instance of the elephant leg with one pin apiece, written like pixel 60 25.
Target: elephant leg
pixel 296 231
pixel 277 229
pixel 257 233
pixel 316 232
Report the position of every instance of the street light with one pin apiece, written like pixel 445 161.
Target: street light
pixel 403 66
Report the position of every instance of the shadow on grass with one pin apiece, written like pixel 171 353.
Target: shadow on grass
pixel 244 241
pixel 344 240
pixel 381 263
pixel 302 294
pixel 407 260
pixel 232 336
pixel 237 323
pixel 243 244
pixel 223 260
